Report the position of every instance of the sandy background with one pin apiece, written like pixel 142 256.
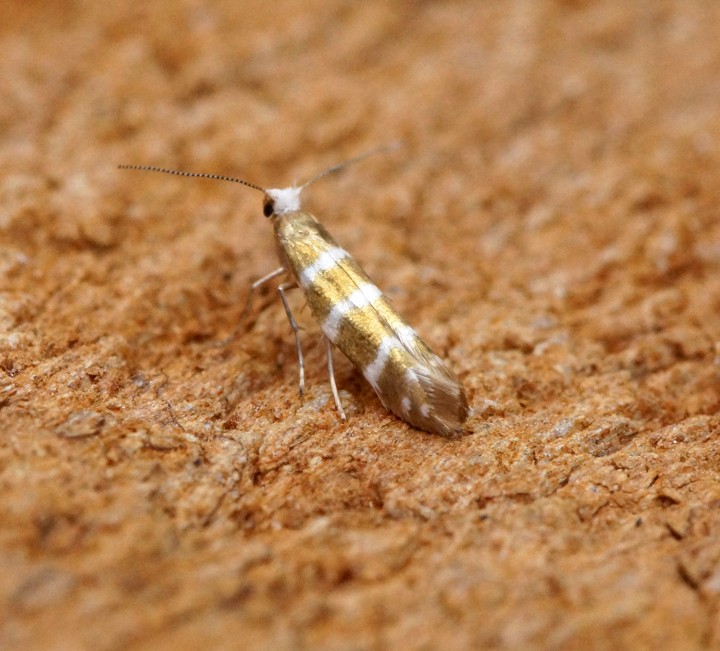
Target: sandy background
pixel 550 227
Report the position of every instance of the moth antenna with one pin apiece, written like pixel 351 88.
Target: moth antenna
pixel 216 177
pixel 336 168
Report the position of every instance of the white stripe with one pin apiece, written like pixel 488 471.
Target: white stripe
pixel 410 377
pixel 406 404
pixel 364 295
pixel 326 260
pixel 406 335
pixel 331 324
pixel 373 370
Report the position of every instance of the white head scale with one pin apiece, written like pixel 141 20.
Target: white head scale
pixel 285 200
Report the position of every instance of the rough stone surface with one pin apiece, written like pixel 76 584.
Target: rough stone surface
pixel 551 226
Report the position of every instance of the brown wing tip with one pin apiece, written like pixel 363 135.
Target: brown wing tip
pixel 446 408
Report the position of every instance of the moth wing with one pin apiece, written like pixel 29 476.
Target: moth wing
pixel 445 401
pixel 437 402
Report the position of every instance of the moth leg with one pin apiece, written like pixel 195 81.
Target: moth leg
pixel 259 282
pixel 333 386
pixel 281 290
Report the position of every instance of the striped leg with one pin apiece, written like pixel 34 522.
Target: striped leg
pixel 333 386
pixel 281 290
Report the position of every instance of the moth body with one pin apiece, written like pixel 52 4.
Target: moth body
pixel 354 315
pixel 410 380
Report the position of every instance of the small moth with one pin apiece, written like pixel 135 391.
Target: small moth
pixel 354 315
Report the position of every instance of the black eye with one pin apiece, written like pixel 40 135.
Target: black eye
pixel 268 208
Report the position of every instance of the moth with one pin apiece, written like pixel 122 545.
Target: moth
pixel 409 378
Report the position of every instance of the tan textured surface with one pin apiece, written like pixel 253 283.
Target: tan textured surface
pixel 551 227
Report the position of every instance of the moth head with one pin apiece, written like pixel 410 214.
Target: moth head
pixel 279 201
